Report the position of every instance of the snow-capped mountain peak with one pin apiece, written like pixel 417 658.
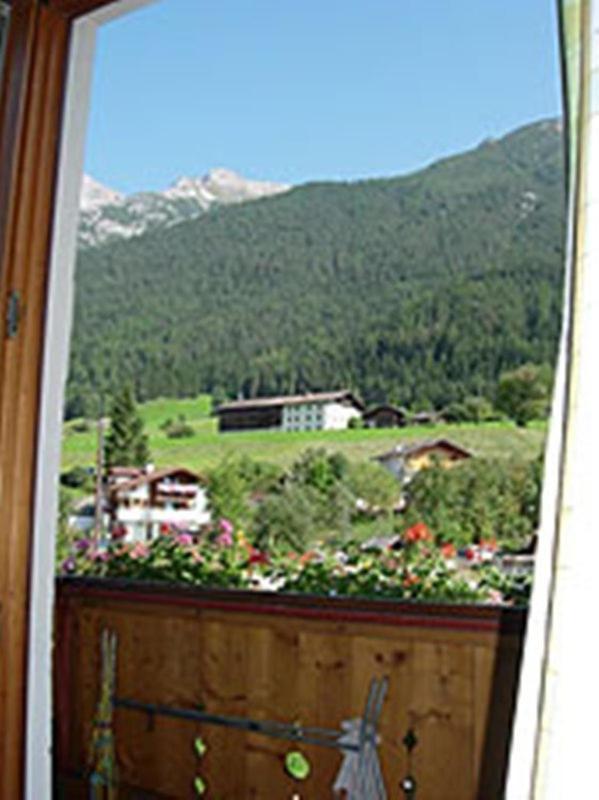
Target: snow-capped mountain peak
pixel 106 214
pixel 96 195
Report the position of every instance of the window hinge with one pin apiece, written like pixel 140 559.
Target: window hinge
pixel 13 314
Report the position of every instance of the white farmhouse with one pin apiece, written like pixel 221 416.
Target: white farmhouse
pixel 319 411
pixel 141 502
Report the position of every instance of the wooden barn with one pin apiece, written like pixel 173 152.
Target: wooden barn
pixel 302 412
pixel 386 416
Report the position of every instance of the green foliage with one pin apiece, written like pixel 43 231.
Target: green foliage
pixel 524 394
pixel 65 537
pixel 292 516
pixel 78 478
pixel 178 429
pixel 228 492
pixel 419 288
pixel 319 469
pixel 126 442
pixel 471 409
pixel 356 423
pixel 370 482
pixel 478 500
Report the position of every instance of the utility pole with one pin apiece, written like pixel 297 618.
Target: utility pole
pixel 99 515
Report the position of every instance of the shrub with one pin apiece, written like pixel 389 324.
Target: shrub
pixel 373 483
pixel 524 393
pixel 478 500
pixel 180 429
pixel 78 478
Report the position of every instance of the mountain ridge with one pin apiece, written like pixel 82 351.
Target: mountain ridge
pixel 416 289
pixel 107 215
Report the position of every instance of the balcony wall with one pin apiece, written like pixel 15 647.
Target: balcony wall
pixel 452 669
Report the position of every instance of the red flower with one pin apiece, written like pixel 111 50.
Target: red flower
pixel 118 532
pixel 418 533
pixel 165 529
pixel 489 544
pixel 257 557
pixel 470 554
pixel 410 579
pixel 448 550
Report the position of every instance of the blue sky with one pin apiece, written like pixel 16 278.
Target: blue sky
pixel 299 90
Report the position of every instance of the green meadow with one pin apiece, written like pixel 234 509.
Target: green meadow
pixel 207 447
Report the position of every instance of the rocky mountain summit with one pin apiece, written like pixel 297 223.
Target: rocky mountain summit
pixel 107 215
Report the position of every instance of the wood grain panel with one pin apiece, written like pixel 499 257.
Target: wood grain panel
pixel 454 687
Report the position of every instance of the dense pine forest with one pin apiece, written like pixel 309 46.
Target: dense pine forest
pixel 419 289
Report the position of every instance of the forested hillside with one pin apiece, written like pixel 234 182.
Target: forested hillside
pixel 418 289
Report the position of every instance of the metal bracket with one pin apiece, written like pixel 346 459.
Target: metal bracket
pixel 13 314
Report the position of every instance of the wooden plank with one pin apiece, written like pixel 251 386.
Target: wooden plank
pixel 440 712
pixel 455 694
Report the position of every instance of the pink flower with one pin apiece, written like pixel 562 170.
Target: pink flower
pixel 139 550
pixel 225 539
pixel 197 557
pixel 225 527
pixel 495 596
pixel 185 539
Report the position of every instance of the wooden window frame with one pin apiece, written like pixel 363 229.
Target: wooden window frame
pixel 41 51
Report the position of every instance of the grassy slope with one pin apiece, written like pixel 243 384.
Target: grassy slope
pixel 208 447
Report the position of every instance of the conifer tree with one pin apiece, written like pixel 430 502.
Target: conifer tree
pixel 126 443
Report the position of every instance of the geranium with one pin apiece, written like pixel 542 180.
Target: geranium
pixel 118 532
pixel 417 570
pixel 139 550
pixel 495 596
pixel 69 564
pixel 225 526
pixel 418 533
pixel 258 557
pixel 225 539
pixel 99 555
pixel 308 556
pixel 489 544
pixel 448 550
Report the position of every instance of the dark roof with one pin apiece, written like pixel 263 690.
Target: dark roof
pixel 154 476
pixel 414 448
pixel 386 407
pixel 426 416
pixel 291 400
